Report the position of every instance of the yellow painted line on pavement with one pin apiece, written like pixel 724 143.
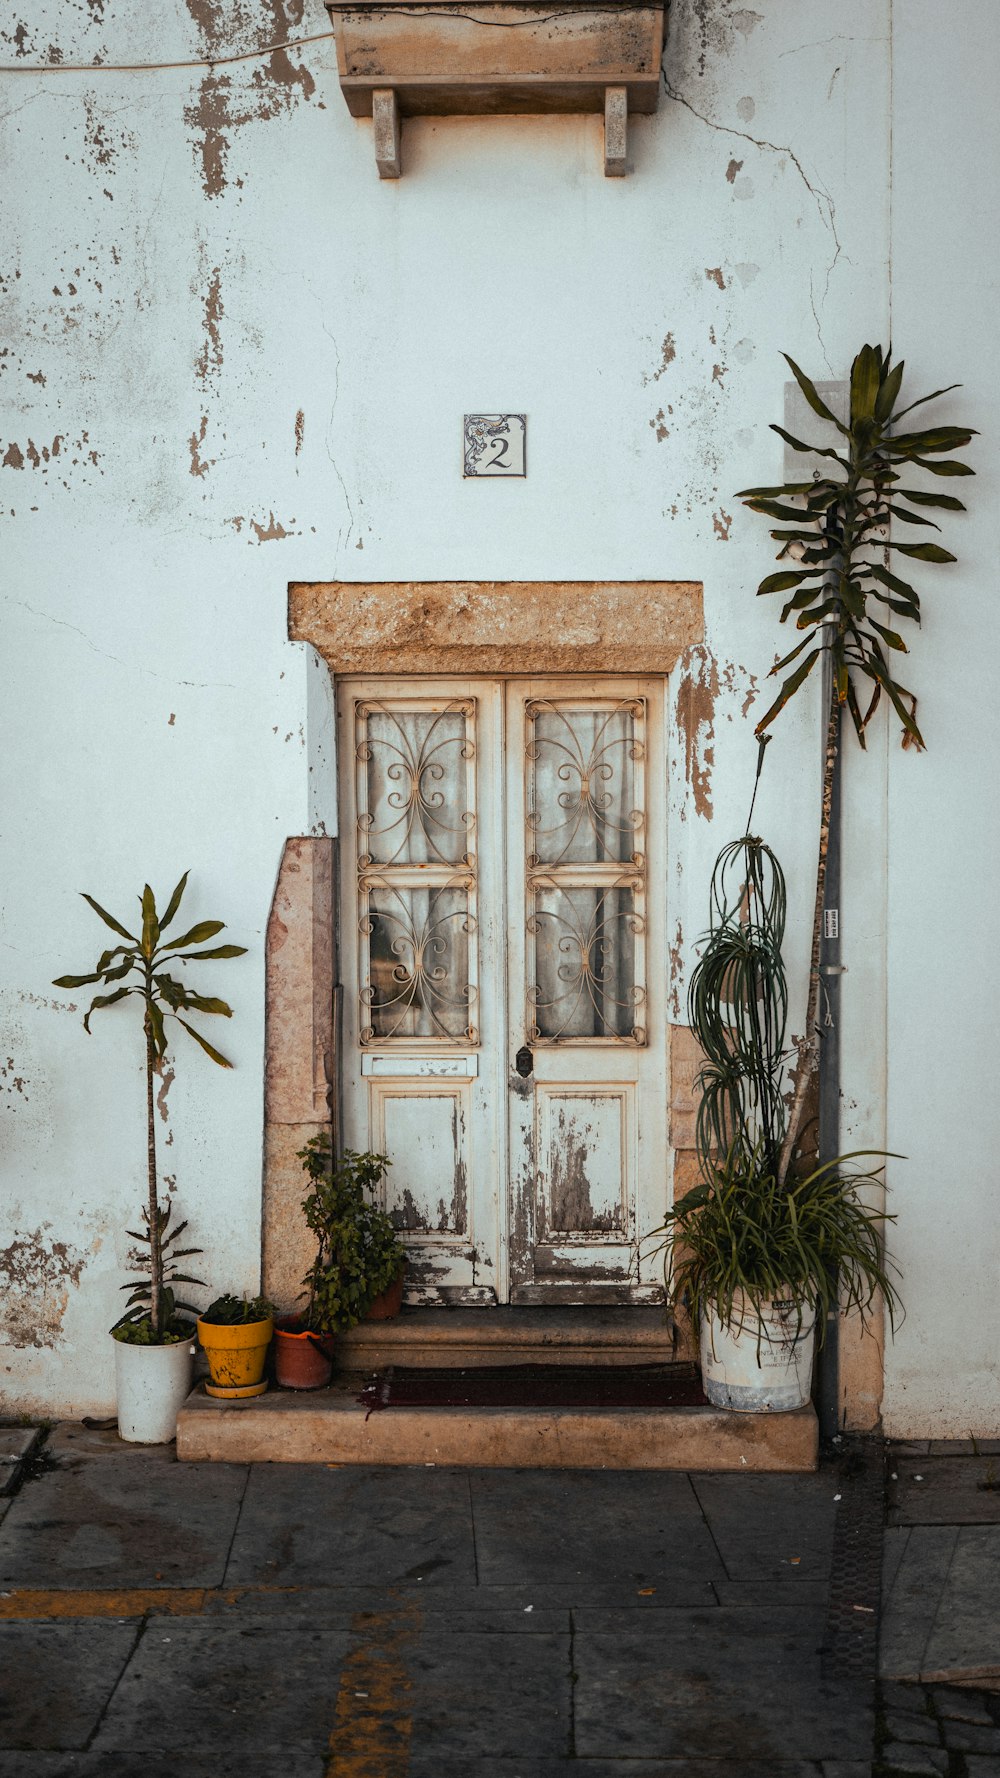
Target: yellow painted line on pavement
pixel 59 1604
pixel 373 1726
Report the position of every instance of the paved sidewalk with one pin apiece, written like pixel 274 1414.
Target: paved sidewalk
pixel 251 1621
pixel 940 1643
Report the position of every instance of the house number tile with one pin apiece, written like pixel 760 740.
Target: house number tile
pixel 494 444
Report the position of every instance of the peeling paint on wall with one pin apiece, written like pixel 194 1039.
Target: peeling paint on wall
pixel 253 93
pixel 697 691
pixel 668 352
pixel 36 1274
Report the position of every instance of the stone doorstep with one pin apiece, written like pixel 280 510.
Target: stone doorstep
pixel 328 1426
pixel 457 1338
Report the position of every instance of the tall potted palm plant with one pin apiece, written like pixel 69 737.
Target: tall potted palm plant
pixel 153 1338
pixel 841 536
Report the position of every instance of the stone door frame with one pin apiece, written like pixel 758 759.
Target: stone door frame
pixel 481 628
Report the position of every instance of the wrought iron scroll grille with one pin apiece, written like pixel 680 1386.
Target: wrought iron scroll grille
pixel 417 871
pixel 585 877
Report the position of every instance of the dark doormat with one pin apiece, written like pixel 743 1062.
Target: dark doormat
pixel 536 1386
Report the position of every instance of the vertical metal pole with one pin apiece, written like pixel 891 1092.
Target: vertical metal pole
pixel 828 1377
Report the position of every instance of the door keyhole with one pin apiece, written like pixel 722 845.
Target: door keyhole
pixel 524 1062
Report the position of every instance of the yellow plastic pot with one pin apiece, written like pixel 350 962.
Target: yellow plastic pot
pixel 236 1356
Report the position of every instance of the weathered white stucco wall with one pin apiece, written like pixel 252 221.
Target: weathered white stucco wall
pixel 943 1375
pixel 234 359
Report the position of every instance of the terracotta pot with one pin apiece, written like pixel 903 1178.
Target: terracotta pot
pixel 236 1354
pixel 389 1301
pixel 302 1360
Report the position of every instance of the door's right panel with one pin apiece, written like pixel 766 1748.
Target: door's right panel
pixel 585 899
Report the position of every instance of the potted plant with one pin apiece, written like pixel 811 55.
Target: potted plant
pixel 154 1338
pixel 761 1241
pixel 359 1259
pixel 235 1333
pixel 845 541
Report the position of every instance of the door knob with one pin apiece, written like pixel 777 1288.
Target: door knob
pixel 524 1062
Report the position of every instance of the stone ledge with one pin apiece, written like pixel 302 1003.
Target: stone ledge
pixel 497 627
pixel 329 1427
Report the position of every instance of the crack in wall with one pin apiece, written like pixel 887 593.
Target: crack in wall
pixel 825 205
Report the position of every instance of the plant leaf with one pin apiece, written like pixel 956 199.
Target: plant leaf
pixel 77 981
pixel 918 497
pixel 911 518
pixel 951 466
pixel 864 385
pixel 788 690
pixel 197 935
pixel 810 450
pixel 103 1000
pixel 891 636
pixel 779 583
pixel 888 393
pixel 109 919
pixel 150 924
pixel 924 552
pixel 159 1035
pixel 175 901
pixel 932 397
pixel 206 1046
pixel 812 395
pixel 208 1003
pixel 217 951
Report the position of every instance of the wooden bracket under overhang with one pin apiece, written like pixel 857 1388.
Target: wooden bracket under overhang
pixel 401 58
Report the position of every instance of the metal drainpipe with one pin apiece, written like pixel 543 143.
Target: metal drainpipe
pixel 830 972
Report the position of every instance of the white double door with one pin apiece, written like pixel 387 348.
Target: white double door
pixel 502 959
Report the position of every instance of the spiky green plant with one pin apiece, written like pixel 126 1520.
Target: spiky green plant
pixel 836 532
pixel 743 1237
pixel 162 997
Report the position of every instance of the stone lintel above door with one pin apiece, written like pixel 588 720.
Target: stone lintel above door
pixel 497 627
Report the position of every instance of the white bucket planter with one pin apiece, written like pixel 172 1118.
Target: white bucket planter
pixel 153 1383
pixel 759 1366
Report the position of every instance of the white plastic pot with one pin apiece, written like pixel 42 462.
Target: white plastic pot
pixel 153 1383
pixel 758 1365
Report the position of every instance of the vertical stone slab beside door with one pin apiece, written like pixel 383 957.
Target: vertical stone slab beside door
pixel 299 1053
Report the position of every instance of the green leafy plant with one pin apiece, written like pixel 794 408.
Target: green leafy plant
pixel 237 1311
pixel 835 532
pixel 147 957
pixel 742 1238
pixel 835 528
pixel 358 1251
pixel 754 1228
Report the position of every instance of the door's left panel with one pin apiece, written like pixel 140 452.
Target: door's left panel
pixel 420 961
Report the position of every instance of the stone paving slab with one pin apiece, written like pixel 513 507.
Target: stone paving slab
pixel 107 1515
pixel 56 1681
pixel 627 1530
pixel 964 1641
pixel 303 1523
pixel 186 1762
pixel 721 1683
pixel 941 1490
pixel 199 1685
pixel 781 1531
pixel 941 1615
pixel 910 1604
